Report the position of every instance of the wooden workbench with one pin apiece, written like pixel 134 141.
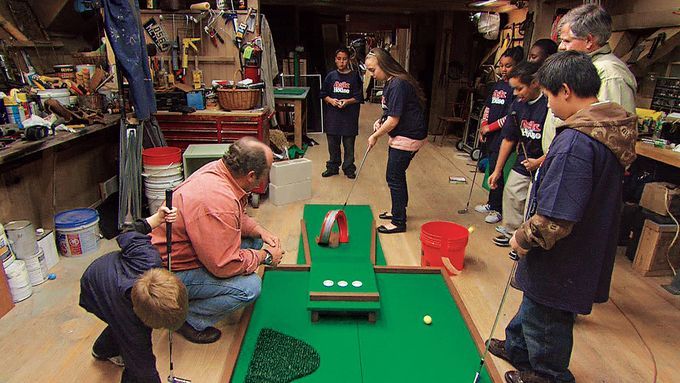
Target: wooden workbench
pixel 61 172
pixel 666 156
pixel 299 102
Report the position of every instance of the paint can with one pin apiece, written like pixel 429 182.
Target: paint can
pixel 19 282
pixel 65 71
pixel 77 232
pixel 37 268
pixel 22 236
pixel 6 253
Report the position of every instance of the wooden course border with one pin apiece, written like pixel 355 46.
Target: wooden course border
pixel 349 297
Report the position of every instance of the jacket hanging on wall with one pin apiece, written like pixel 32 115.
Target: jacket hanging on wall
pixel 126 35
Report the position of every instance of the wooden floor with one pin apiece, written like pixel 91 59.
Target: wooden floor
pixel 48 337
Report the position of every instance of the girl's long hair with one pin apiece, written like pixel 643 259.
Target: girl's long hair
pixel 393 69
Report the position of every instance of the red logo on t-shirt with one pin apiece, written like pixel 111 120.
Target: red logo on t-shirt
pixel 341 87
pixel 498 96
pixel 531 129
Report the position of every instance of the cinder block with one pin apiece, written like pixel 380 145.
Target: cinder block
pixel 290 172
pixel 281 195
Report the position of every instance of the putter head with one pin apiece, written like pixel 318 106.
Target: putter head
pixel 463 211
pixel 175 379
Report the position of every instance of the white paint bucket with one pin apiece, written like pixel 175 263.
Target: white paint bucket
pixel 77 232
pixel 37 268
pixel 22 236
pixel 6 254
pixel 157 179
pixel 19 282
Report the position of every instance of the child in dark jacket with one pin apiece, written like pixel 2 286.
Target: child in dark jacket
pixel 568 243
pixel 495 113
pixel 132 293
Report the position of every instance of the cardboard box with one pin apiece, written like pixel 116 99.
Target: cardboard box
pixel 281 195
pixel 290 172
pixel 650 258
pixel 654 198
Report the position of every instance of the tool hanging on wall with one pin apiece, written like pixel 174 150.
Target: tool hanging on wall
pixel 197 74
pixel 186 43
pixel 242 29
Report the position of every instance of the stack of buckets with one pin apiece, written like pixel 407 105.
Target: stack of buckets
pixel 24 261
pixel 77 232
pixel 440 240
pixel 162 170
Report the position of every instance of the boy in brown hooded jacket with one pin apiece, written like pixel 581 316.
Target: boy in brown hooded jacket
pixel 567 244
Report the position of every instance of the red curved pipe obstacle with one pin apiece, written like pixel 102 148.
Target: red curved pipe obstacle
pixel 329 221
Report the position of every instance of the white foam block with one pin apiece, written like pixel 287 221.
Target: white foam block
pixel 299 191
pixel 290 172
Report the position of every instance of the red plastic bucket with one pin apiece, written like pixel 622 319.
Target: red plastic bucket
pixel 164 155
pixel 440 239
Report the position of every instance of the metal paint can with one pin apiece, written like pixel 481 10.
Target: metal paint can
pixel 22 236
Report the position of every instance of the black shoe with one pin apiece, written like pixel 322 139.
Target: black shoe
pixel 329 173
pixel 502 241
pixel 397 229
pixel 385 215
pixel 525 377
pixel 209 335
pixel 351 176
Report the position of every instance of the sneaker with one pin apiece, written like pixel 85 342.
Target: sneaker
pixel 328 173
pixel 502 241
pixel 351 176
pixel 117 359
pixel 493 217
pixel 484 209
pixel 501 229
pixel 525 377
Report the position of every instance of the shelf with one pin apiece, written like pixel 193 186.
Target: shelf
pixel 36 44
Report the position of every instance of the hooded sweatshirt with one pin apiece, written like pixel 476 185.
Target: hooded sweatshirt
pixel 574 210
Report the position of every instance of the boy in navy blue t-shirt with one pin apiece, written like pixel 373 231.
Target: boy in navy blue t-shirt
pixel 567 245
pixel 342 93
pixel 495 113
pixel 523 132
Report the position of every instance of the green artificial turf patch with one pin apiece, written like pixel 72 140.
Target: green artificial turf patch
pixel 279 358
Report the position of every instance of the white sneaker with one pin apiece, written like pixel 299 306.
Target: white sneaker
pixel 485 209
pixel 493 217
pixel 501 229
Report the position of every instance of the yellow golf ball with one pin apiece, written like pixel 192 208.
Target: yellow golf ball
pixel 427 319
pixel 471 229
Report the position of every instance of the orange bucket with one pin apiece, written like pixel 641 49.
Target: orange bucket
pixel 443 243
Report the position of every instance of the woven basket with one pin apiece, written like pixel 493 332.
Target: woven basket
pixel 238 99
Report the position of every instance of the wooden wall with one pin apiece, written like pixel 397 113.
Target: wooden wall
pixel 217 62
pixel 36 187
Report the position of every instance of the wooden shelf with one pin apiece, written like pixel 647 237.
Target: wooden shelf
pixel 36 44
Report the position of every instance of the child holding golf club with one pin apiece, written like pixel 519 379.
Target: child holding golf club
pixel 568 243
pixel 342 92
pixel 494 116
pixel 522 131
pixel 132 293
pixel 403 120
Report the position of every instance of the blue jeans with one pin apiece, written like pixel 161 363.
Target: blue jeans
pixel 397 163
pixel 212 298
pixel 540 338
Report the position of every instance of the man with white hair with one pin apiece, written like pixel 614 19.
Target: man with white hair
pixel 587 29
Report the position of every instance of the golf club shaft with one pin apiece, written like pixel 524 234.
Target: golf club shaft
pixel 356 178
pixel 498 315
pixel 474 177
pixel 168 244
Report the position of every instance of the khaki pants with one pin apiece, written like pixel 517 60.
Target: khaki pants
pixel 514 200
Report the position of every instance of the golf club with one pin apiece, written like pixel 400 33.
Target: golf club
pixel 467 205
pixel 515 258
pixel 168 239
pixel 357 178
